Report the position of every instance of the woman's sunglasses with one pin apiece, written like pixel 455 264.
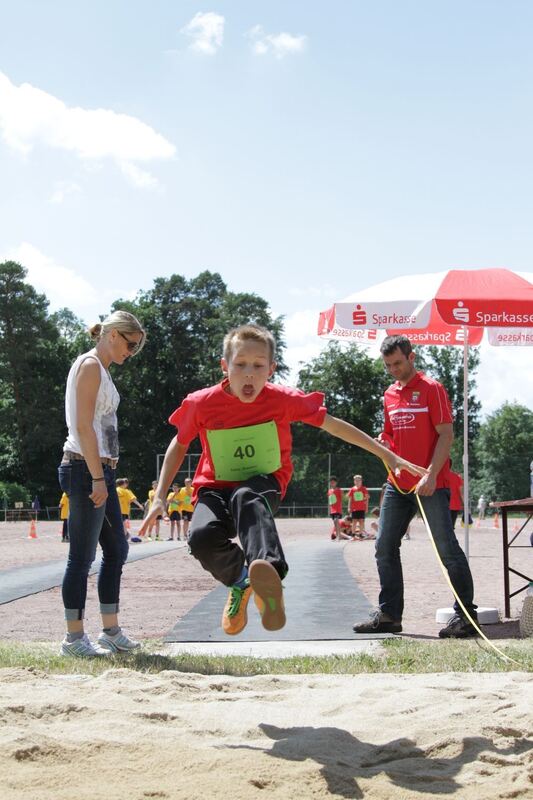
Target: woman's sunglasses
pixel 133 347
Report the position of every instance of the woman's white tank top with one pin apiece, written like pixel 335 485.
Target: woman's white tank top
pixel 105 412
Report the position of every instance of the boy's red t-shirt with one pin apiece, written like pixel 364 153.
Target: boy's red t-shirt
pixel 215 409
pixel 411 414
pixel 358 505
pixel 335 501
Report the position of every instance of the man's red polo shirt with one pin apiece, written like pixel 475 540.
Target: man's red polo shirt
pixel 411 414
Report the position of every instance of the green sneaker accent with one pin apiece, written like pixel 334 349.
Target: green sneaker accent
pixel 271 603
pixel 234 616
pixel 235 601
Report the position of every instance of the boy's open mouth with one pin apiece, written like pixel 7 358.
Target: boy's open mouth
pixel 248 390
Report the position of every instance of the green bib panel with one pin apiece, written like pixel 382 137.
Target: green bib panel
pixel 240 453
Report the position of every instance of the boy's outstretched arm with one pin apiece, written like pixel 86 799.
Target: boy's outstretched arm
pixel 171 464
pixel 352 435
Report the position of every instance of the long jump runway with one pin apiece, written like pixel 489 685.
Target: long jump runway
pixel 22 581
pixel 322 602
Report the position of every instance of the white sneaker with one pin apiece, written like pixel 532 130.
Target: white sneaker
pixel 119 643
pixel 82 648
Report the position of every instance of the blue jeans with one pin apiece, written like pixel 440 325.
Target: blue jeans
pixel 88 525
pixel 397 511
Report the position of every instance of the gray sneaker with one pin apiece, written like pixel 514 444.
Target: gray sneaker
pixel 459 628
pixel 119 643
pixel 379 622
pixel 82 648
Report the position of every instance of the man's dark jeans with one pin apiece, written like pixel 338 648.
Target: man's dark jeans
pixel 397 511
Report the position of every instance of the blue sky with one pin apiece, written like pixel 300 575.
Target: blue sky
pixel 303 150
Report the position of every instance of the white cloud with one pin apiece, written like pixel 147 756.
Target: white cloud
pixel 303 343
pixel 137 176
pixel 206 31
pixel 62 190
pixel 279 44
pixel 326 291
pixel 30 117
pixel 503 376
pixel 62 285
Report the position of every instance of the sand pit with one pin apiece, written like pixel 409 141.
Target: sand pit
pixel 131 736
pixel 184 736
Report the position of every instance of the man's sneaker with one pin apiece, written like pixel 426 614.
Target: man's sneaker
pixel 458 628
pixel 235 616
pixel 82 648
pixel 379 622
pixel 268 592
pixel 119 643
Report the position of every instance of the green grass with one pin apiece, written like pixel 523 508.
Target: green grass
pixel 397 656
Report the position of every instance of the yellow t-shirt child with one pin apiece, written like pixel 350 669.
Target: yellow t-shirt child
pixel 185 499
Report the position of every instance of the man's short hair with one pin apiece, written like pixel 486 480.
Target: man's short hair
pixel 390 343
pixel 333 478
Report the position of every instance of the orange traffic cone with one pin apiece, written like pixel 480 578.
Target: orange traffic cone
pixel 496 522
pixel 33 530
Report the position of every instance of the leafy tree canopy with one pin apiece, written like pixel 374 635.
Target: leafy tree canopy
pixel 504 451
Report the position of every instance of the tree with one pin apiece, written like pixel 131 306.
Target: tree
pixel 33 367
pixel 353 385
pixel 504 450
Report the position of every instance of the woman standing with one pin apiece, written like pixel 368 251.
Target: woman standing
pixel 87 475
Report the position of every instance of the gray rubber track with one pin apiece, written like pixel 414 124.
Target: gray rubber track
pixel 322 602
pixel 33 578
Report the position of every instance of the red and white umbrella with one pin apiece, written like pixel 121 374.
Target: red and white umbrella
pixel 441 308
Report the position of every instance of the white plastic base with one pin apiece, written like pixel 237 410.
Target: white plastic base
pixel 486 616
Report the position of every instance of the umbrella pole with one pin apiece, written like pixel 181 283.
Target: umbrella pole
pixel 466 493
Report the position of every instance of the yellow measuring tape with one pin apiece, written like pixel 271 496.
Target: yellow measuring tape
pixel 445 571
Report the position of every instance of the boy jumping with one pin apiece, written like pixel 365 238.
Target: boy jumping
pixel 245 467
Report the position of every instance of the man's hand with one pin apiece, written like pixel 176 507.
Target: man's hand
pixel 426 485
pixel 157 508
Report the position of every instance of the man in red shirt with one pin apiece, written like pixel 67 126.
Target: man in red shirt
pixel 419 427
pixel 244 425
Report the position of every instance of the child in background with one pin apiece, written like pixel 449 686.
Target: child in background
pixel 63 515
pixel 173 508
pixel 346 528
pixel 186 505
pixel 335 507
pixel 358 496
pixel 245 467
pixel 126 498
pixel 154 523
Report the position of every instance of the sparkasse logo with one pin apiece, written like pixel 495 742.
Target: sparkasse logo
pixel 460 313
pixel 359 316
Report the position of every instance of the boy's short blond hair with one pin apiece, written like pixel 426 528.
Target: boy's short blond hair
pixel 254 333
pixel 358 476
